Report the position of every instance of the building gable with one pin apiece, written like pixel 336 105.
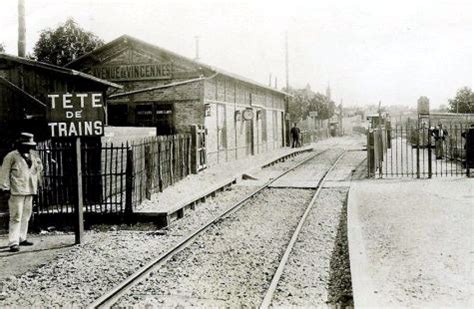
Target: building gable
pixel 129 60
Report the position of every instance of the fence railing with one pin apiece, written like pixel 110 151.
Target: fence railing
pixel 410 150
pixel 158 163
pixel 116 178
pixel 104 175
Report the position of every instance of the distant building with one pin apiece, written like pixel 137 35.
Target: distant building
pixel 171 92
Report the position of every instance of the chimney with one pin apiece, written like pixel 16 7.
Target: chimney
pixel 276 82
pixel 270 80
pixel 21 29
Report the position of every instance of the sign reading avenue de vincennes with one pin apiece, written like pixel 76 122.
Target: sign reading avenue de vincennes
pixel 76 114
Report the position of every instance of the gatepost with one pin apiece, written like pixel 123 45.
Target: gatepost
pixel 73 115
pixel 423 109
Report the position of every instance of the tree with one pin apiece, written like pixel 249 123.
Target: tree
pixel 2 48
pixel 463 102
pixel 65 43
pixel 298 106
pixel 305 100
pixel 319 103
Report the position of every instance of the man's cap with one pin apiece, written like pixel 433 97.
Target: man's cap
pixel 26 135
pixel 27 139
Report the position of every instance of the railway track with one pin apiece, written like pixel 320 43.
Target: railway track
pixel 276 278
pixel 112 296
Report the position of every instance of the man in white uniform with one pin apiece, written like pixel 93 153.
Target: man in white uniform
pixel 19 178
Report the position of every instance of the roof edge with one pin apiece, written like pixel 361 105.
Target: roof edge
pixel 209 67
pixel 58 69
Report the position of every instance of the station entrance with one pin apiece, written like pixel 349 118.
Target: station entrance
pixel 421 148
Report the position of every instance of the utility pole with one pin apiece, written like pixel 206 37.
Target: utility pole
pixel 287 99
pixel 287 63
pixel 21 29
pixel 197 48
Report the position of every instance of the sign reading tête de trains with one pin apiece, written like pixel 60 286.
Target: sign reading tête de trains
pixel 133 71
pixel 76 114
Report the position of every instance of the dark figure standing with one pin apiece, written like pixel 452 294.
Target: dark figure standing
pixel 469 146
pixel 295 135
pixel 19 179
pixel 439 134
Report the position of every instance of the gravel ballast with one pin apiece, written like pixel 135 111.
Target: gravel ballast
pixel 232 263
pixel 83 273
pixel 78 276
pixel 305 279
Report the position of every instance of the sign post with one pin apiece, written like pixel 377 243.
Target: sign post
pixel 78 207
pixel 73 115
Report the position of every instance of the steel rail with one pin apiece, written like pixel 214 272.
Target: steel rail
pixel 276 277
pixel 109 298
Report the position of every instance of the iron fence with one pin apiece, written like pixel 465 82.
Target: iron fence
pixel 104 174
pixel 412 150
pixel 116 178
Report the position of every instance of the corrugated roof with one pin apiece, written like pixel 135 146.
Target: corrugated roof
pixel 58 69
pixel 209 67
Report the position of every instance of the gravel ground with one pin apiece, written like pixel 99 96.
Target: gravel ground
pixel 232 263
pixel 108 255
pixel 305 280
pixel 415 251
pixel 80 275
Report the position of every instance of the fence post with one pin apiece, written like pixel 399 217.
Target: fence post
pixel 194 149
pixel 79 226
pixel 160 163
pixel 182 153
pixel 370 153
pixel 129 186
pixel 148 171
pixel 188 154
pixel 430 170
pixel 171 157
pixel 419 137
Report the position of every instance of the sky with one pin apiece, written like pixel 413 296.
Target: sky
pixel 368 51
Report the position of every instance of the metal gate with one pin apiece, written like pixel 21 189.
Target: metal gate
pixel 418 151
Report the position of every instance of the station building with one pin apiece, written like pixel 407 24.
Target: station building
pixel 170 92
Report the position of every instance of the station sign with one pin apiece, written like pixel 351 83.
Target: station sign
pixel 76 114
pixel 313 114
pixel 137 71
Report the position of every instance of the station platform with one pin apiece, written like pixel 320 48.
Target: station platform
pixel 411 243
pixel 169 205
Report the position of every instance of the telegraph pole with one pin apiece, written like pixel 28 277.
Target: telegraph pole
pixel 21 29
pixel 287 63
pixel 287 116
